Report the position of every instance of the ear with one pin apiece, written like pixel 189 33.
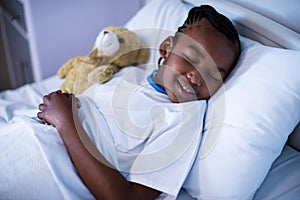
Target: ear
pixel 166 46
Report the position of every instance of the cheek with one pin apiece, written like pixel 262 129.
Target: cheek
pixel 176 63
pixel 203 93
pixel 169 75
pixel 226 58
pixel 213 89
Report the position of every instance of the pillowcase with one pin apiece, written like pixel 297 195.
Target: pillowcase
pixel 159 14
pixel 247 123
pixel 156 21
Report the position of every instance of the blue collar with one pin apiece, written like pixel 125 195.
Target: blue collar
pixel 154 85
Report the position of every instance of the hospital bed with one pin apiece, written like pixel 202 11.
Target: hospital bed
pixel 250 144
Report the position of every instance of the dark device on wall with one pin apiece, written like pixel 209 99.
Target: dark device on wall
pixel 15 62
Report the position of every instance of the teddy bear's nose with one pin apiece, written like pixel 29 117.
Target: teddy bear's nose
pixel 105 32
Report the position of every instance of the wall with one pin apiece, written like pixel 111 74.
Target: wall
pixel 61 29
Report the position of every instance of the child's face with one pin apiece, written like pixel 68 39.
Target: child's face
pixel 197 63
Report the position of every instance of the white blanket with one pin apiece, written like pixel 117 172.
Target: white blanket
pixel 34 162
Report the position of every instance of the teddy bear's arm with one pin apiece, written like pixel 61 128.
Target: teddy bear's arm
pixel 102 74
pixel 76 80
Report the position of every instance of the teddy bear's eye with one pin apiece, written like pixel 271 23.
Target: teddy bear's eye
pixel 121 40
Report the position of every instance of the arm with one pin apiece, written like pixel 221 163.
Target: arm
pixel 103 181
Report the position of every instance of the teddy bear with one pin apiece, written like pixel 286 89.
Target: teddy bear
pixel 114 48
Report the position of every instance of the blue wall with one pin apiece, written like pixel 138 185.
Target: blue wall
pixel 61 29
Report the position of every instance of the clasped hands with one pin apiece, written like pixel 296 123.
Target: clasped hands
pixel 58 108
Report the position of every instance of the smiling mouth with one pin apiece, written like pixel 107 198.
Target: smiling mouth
pixel 184 87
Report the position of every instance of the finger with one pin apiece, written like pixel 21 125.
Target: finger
pixel 77 102
pixel 42 107
pixel 54 93
pixel 46 98
pixel 68 94
pixel 40 115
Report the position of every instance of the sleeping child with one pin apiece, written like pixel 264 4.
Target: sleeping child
pixel 137 137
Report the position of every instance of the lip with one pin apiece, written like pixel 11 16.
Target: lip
pixel 185 87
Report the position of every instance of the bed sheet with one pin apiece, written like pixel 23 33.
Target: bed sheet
pixel 34 162
pixel 282 181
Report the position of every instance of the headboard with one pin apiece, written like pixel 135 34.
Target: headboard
pixel 272 22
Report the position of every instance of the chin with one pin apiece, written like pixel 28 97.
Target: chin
pixel 174 100
pixel 172 97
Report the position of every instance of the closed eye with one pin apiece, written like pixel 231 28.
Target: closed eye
pixel 217 75
pixel 189 60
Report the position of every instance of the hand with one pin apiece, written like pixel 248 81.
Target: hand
pixel 58 109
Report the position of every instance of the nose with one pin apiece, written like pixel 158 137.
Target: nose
pixel 194 77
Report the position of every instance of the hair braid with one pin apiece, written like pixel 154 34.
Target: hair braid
pixel 219 21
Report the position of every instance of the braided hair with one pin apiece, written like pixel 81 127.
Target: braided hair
pixel 218 21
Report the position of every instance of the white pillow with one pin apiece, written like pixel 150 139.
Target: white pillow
pixel 160 14
pixel 241 141
pixel 156 21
